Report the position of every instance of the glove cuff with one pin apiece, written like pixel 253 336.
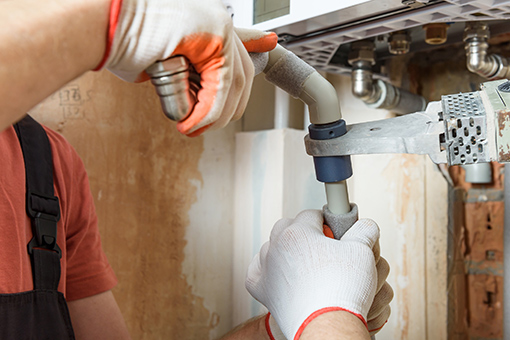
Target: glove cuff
pixel 113 20
pixel 322 311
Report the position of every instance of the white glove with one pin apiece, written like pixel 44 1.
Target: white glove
pixel 142 32
pixel 380 310
pixel 300 273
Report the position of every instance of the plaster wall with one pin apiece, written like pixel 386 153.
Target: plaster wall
pixel 163 201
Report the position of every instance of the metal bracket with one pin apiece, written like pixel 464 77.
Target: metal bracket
pixel 464 128
pixel 416 133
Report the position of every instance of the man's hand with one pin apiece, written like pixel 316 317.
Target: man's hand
pixel 143 32
pixel 301 274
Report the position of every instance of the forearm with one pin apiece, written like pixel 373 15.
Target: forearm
pixel 254 329
pixel 335 325
pixel 98 317
pixel 43 46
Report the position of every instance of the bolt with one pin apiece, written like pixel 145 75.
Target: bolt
pixel 476 29
pixel 435 34
pixel 399 42
pixel 363 50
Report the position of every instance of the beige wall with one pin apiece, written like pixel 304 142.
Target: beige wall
pixel 156 193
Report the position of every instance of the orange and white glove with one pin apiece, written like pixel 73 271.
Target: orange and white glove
pixel 142 32
pixel 300 273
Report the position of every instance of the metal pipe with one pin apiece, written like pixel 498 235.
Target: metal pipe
pixel 378 94
pixel 363 83
pixel 490 66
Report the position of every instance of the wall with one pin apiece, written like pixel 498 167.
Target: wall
pixel 407 196
pixel 163 201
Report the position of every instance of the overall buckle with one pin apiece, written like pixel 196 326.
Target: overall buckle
pixel 44 225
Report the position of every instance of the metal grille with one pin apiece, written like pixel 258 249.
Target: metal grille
pixel 466 128
pixel 318 51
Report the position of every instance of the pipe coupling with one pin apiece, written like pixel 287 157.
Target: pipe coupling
pixel 490 66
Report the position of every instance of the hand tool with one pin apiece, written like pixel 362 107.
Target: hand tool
pixel 176 84
pixel 463 128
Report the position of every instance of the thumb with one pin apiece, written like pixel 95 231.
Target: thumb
pixel 365 231
pixel 257 41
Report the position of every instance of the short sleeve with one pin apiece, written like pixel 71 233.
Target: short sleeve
pixel 85 268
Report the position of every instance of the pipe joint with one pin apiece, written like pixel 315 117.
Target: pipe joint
pixel 490 66
pixel 363 85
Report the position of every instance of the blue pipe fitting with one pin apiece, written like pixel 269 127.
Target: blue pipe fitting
pixel 334 168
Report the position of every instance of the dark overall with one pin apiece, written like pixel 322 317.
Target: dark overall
pixel 39 314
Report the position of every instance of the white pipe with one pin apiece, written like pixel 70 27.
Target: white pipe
pixel 338 197
pixel 281 109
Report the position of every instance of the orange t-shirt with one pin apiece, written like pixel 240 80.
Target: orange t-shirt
pixel 85 269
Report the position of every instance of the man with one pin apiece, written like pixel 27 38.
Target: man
pixel 46 44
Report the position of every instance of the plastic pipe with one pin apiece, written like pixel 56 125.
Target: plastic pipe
pixel 479 173
pixel 300 80
pixel 281 109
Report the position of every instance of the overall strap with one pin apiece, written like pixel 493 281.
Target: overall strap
pixel 41 203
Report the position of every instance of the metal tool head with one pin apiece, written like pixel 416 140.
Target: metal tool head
pixel 177 85
pixel 465 121
pixel 461 129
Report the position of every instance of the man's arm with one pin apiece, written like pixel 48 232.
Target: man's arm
pixel 335 325
pixel 331 325
pixel 98 317
pixel 253 329
pixel 43 46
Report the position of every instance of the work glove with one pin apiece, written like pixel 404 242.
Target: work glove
pixel 300 274
pixel 142 32
pixel 379 311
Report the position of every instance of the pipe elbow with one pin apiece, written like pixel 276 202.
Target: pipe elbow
pixel 476 63
pixel 363 85
pixel 477 59
pixel 362 91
